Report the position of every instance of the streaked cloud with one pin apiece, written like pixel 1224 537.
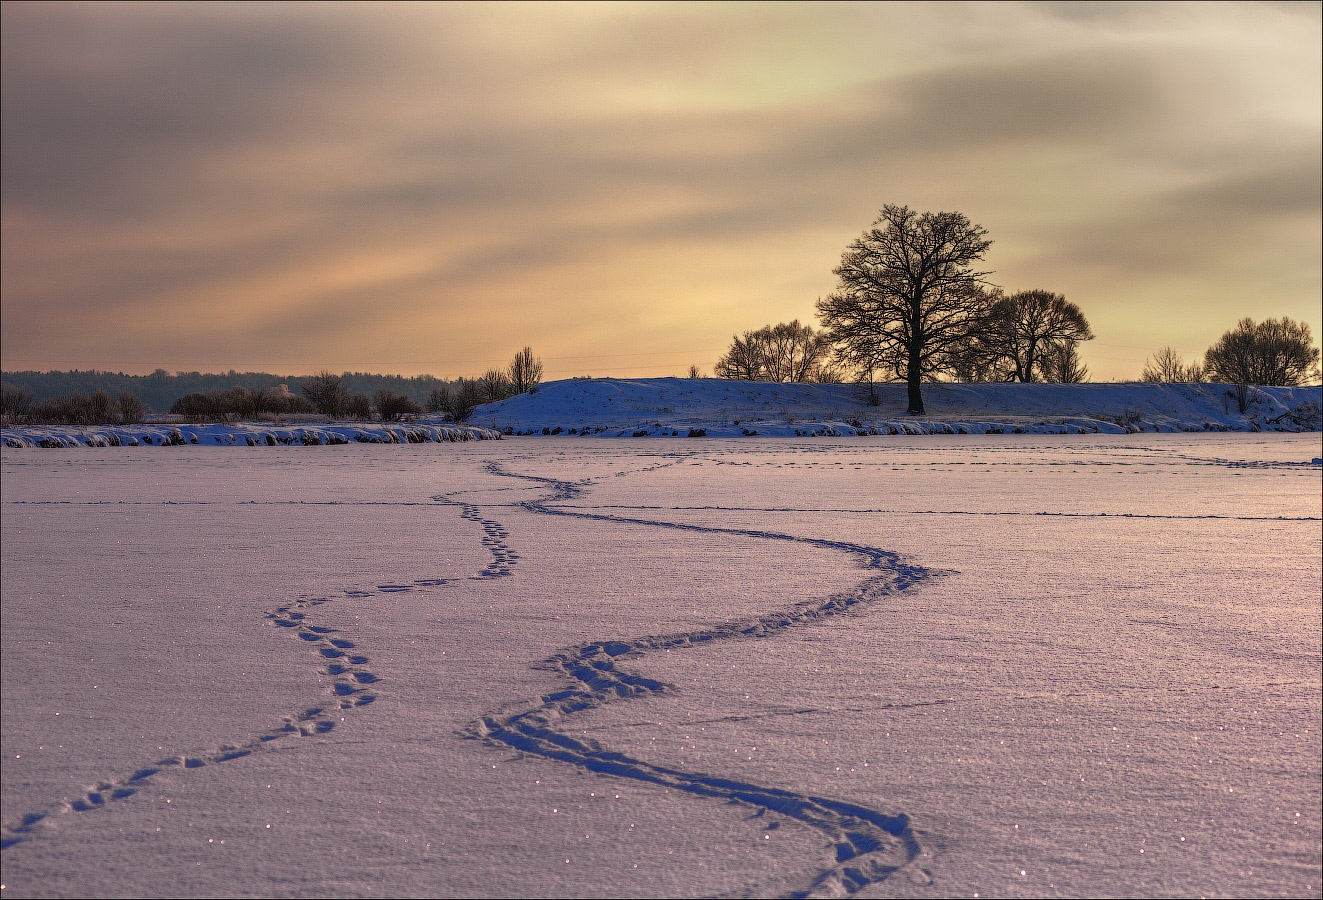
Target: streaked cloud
pixel 427 188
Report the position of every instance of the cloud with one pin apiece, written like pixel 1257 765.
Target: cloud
pixel 343 177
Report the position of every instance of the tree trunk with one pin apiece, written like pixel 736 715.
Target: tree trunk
pixel 913 375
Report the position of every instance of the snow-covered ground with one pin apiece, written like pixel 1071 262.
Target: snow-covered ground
pixel 682 407
pixel 717 407
pixel 240 435
pixel 919 666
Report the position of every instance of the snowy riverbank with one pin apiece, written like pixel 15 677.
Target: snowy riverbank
pixel 250 435
pixel 714 407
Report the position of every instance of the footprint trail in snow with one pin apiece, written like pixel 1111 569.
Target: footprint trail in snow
pixel 869 845
pixel 351 687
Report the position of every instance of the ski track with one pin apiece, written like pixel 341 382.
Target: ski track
pixel 869 845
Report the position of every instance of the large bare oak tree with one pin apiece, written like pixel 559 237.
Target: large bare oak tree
pixel 908 295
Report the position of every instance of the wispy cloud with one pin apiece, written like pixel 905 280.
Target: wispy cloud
pixel 401 187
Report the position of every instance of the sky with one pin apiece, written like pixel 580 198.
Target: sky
pixel 428 188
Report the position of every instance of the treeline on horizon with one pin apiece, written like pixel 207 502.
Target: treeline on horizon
pixel 160 390
pixel 86 398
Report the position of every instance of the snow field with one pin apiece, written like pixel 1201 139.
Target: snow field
pixel 718 407
pixel 969 702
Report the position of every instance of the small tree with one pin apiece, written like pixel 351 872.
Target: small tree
pixel 262 400
pixel 908 295
pixel 1167 367
pixel 694 373
pixel 1273 352
pixel 1061 363
pixel 359 407
pixel 784 352
pixel 327 393
pixel 102 409
pixel 458 400
pixel 1023 326
pixel 525 371
pixel 743 361
pixel 468 396
pixel 131 409
pixel 496 385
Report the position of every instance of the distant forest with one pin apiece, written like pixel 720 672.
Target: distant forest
pixel 159 390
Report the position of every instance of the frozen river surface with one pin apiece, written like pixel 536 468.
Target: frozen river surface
pixel 983 666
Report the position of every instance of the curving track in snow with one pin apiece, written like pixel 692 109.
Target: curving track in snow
pixel 869 845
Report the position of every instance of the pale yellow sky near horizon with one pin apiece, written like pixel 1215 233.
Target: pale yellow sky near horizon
pixel 426 188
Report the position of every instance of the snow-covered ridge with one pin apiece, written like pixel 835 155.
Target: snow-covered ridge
pixel 714 407
pixel 249 435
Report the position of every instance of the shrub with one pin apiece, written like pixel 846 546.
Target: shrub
pixel 393 406
pixel 131 409
pixel 15 403
pixel 358 406
pixel 210 406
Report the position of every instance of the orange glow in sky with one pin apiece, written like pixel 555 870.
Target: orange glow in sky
pixel 428 188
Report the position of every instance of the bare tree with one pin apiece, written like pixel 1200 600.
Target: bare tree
pixel 1024 325
pixel 743 361
pixel 15 403
pixel 525 371
pixel 103 408
pixel 1167 367
pixel 1273 352
pixel 784 352
pixel 265 399
pixel 358 406
pixel 131 409
pixel 200 406
pixel 694 373
pixel 438 400
pixel 468 395
pixel 327 393
pixel 979 358
pixel 908 295
pixel 496 385
pixel 458 400
pixel 1061 363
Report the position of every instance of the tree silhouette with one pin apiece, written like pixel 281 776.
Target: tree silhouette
pixel 908 296
pixel 1273 352
pixel 1031 325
